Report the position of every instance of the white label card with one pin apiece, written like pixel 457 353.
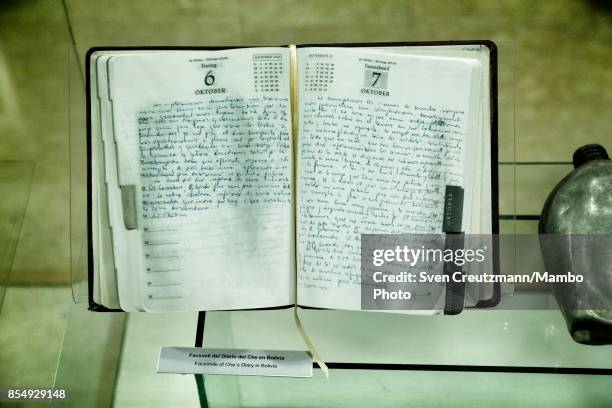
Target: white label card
pixel 272 363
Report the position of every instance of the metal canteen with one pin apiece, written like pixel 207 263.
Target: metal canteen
pixel 579 207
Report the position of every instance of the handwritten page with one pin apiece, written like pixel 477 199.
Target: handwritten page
pixel 380 136
pixel 209 148
pixel 225 152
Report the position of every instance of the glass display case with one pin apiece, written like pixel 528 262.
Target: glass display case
pixel 507 354
pixel 518 353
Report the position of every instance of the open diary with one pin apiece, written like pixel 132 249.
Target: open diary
pixel 243 178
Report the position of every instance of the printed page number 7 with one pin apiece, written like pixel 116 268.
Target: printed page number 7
pixel 375 75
